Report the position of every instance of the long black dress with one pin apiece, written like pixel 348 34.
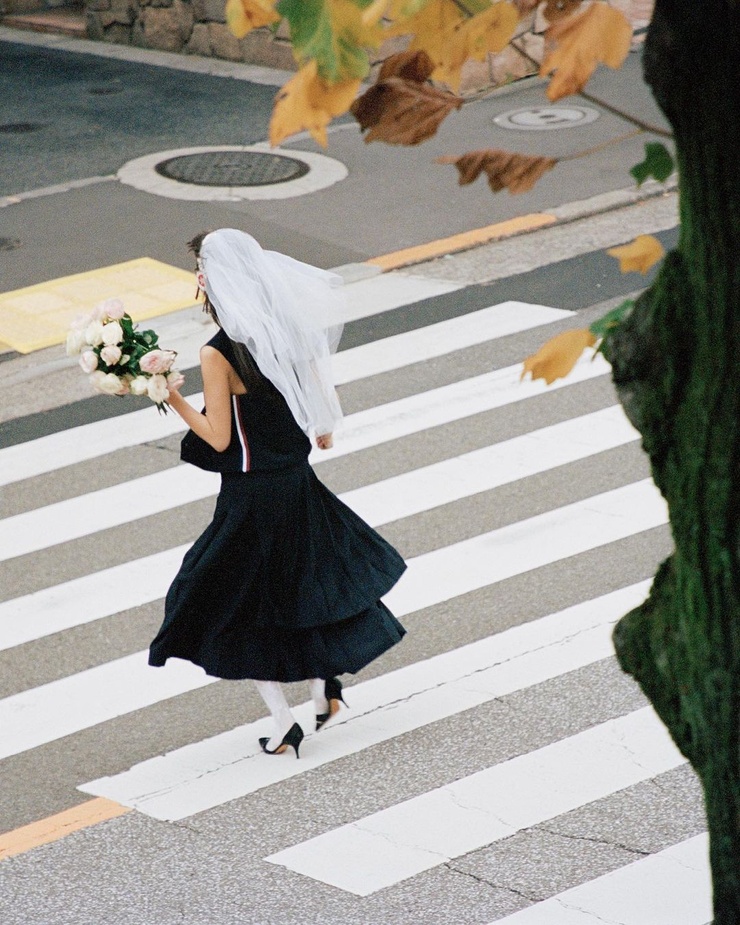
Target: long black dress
pixel 285 583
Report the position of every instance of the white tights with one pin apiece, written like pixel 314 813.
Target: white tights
pixel 272 693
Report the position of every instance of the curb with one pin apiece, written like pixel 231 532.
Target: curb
pixel 560 215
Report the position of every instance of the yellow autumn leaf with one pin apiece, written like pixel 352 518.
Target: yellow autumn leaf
pixel 372 14
pixel 430 27
pixel 307 102
pixel 638 256
pixel 489 31
pixel 600 35
pixel 556 358
pixel 244 15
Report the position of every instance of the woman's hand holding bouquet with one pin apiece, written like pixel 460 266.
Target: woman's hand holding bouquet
pixel 119 359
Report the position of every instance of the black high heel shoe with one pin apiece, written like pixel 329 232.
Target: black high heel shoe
pixel 293 737
pixel 333 693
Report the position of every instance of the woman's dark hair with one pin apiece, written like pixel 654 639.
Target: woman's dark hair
pixel 246 368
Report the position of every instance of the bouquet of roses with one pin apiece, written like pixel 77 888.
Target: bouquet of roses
pixel 119 359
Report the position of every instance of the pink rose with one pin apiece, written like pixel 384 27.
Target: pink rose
pixel 89 361
pixel 112 309
pixel 110 355
pixel 157 361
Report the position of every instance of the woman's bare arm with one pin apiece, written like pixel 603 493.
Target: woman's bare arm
pixel 215 425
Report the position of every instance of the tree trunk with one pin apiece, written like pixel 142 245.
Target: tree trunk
pixel 676 363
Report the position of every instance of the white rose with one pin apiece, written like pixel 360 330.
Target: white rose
pixel 94 333
pixel 89 361
pixel 110 384
pixel 110 355
pixel 96 378
pixel 75 342
pixel 139 385
pixel 157 389
pixel 112 333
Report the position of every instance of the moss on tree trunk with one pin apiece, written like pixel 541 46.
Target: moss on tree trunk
pixel 676 364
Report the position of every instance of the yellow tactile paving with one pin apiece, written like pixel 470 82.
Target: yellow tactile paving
pixel 55 827
pixel 39 316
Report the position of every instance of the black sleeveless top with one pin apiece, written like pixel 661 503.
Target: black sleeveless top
pixel 264 433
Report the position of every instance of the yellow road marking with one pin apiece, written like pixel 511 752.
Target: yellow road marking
pixel 39 316
pixel 459 242
pixel 55 827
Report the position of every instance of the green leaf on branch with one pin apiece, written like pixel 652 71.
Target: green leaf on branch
pixel 333 33
pixel 658 163
pixel 607 323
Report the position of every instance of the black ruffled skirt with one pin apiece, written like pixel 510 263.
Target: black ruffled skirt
pixel 283 585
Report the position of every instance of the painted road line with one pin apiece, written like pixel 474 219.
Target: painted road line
pixel 214 771
pixel 88 441
pixel 141 581
pixel 671 887
pixel 448 403
pixel 394 844
pixel 42 714
pixel 59 825
pixel 441 338
pixel 377 294
pixel 79 701
pixel 463 241
pixel 381 502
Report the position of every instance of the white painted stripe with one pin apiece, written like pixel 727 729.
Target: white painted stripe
pixel 394 844
pixel 88 441
pixel 671 887
pixel 212 772
pixel 441 338
pixel 60 708
pixel 430 578
pixel 448 403
pixel 527 545
pixel 386 291
pixel 100 510
pixel 381 502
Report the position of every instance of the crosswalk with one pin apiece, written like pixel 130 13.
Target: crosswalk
pixel 480 644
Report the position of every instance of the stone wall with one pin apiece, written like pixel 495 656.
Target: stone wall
pixel 198 27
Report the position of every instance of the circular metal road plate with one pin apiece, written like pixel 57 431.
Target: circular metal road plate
pixel 547 118
pixel 232 168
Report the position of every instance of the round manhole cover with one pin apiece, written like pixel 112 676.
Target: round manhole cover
pixel 547 118
pixel 232 168
pixel 17 128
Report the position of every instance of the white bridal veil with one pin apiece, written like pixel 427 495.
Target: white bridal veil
pixel 288 315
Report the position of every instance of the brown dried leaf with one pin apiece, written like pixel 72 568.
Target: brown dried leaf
pixel 556 358
pixel 600 35
pixel 403 112
pixel 415 66
pixel 560 9
pixel 639 255
pixel 504 169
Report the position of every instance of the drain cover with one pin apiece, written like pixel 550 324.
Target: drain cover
pixel 232 168
pixel 18 127
pixel 546 118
